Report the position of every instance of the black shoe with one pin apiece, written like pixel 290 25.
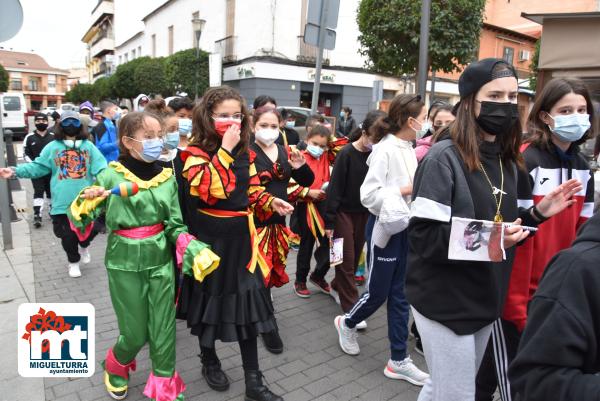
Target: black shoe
pixel 37 221
pixel 255 390
pixel 273 342
pixel 214 376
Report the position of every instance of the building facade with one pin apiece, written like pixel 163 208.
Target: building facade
pixel 100 41
pixel 29 74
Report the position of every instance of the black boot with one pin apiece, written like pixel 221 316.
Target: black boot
pixel 213 374
pixel 255 390
pixel 273 342
pixel 37 221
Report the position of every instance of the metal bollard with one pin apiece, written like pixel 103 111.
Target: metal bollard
pixel 11 158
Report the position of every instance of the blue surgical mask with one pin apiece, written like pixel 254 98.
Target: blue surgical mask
pixel 570 127
pixel 185 126
pixel 171 140
pixel 290 123
pixel 315 151
pixel 117 115
pixel 152 148
pixel 342 114
pixel 74 144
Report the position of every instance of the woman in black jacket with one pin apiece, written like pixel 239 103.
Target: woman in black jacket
pixel 474 174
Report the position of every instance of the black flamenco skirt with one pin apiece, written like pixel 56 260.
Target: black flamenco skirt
pixel 231 304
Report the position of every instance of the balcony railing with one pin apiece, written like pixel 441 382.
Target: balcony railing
pixel 102 35
pixel 16 86
pixel 308 53
pixel 226 46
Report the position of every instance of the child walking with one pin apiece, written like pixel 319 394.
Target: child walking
pixel 143 227
pixel 73 162
pixel 275 166
pixel 222 184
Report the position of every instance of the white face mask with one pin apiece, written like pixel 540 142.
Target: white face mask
pixel 70 143
pixel 267 136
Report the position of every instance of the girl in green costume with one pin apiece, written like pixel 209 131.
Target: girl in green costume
pixel 139 261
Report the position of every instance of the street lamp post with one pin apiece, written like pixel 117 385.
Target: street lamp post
pixel 198 27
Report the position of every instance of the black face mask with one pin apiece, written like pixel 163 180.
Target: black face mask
pixel 497 118
pixel 71 131
pixel 41 127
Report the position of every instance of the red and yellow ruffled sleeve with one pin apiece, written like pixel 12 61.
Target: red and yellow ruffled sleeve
pixel 210 178
pixel 335 145
pixel 259 199
pixel 296 192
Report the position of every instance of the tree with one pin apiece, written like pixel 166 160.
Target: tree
pixel 80 93
pixel 103 89
pixel 124 79
pixel 390 34
pixel 3 79
pixel 533 67
pixel 150 77
pixel 181 69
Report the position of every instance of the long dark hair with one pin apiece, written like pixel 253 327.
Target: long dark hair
pixel 538 132
pixel 366 124
pixel 467 135
pixel 401 109
pixel 204 134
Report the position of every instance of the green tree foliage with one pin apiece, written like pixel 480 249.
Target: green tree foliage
pixel 533 67
pixel 390 34
pixel 103 89
pixel 181 69
pixel 124 81
pixel 149 77
pixel 3 79
pixel 80 93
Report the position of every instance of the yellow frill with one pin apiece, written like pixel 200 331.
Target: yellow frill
pixel 205 262
pixel 85 207
pixel 165 174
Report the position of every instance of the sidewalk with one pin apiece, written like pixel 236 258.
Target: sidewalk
pixel 16 287
pixel 312 366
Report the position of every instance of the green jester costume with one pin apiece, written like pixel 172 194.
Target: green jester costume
pixel 143 229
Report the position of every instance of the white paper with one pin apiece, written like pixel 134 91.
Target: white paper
pixel 473 240
pixel 336 252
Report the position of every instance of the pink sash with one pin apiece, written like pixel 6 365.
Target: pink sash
pixel 140 232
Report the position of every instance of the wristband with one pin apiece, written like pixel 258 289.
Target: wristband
pixel 536 213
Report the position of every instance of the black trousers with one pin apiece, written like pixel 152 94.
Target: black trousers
pixel 307 244
pixel 41 186
pixel 493 371
pixel 68 239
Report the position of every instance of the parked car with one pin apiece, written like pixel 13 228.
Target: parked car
pixel 301 115
pixel 48 110
pixel 13 109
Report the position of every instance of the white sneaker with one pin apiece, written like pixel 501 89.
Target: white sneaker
pixel 346 336
pixel 74 270
pixel 85 255
pixel 362 325
pixel 334 294
pixel 405 370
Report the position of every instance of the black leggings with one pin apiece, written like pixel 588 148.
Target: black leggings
pixel 68 239
pixel 248 348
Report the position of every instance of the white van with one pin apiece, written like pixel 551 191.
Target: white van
pixel 13 110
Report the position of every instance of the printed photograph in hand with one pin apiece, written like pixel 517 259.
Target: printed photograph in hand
pixel 476 240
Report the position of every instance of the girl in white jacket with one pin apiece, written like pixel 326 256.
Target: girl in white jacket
pixel 392 166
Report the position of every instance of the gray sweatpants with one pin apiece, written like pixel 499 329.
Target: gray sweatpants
pixel 453 360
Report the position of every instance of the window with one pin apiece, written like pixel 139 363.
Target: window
pixel 34 84
pixel 11 103
pixel 133 54
pixel 170 40
pixel 51 81
pixel 16 84
pixel 139 51
pixel 120 59
pixel 154 45
pixel 509 55
pixel 126 57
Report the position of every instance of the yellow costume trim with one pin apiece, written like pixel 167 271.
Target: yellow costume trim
pixel 165 174
pixel 205 262
pixel 110 387
pixel 82 206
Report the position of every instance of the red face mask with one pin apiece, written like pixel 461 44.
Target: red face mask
pixel 222 126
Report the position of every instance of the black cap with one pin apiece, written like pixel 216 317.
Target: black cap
pixel 40 116
pixel 480 73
